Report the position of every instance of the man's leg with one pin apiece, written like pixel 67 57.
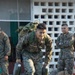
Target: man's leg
pixel 61 65
pixel 28 66
pixel 4 66
pixel 69 66
pixel 38 66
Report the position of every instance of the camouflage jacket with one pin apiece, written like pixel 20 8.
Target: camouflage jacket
pixel 5 47
pixel 31 44
pixel 65 43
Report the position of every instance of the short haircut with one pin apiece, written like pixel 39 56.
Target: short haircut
pixel 41 26
pixel 64 24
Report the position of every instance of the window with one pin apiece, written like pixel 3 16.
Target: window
pixel 43 4
pixel 63 10
pixel 57 4
pixel 56 53
pixel 56 35
pixel 64 4
pixel 56 16
pixel 45 22
pixel 51 66
pixel 69 16
pixel 50 22
pixel 49 16
pixel 50 3
pixel 50 10
pixel 70 10
pixel 70 4
pixel 49 29
pixel 63 16
pixel 71 22
pixel 56 59
pixel 36 3
pixel 57 10
pixel 42 16
pixel 36 16
pixel 56 29
pixel 57 22
pixel 44 10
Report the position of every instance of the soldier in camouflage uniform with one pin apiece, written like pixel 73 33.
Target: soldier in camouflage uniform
pixel 5 50
pixel 30 46
pixel 64 42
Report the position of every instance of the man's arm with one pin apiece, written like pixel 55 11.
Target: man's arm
pixel 69 42
pixel 64 42
pixel 7 45
pixel 19 47
pixel 60 42
pixel 48 54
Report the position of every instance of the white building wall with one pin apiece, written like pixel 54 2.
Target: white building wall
pixel 54 13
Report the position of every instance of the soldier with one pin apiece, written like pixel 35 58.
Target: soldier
pixel 64 42
pixel 30 46
pixel 5 50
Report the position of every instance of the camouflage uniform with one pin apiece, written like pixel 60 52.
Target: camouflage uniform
pixel 64 42
pixel 30 48
pixel 4 50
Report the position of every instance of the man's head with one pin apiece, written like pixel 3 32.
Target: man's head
pixel 64 28
pixel 40 31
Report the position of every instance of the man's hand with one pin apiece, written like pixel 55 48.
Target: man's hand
pixel 6 57
pixel 18 60
pixel 44 65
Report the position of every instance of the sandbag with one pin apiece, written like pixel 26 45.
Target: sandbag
pixel 63 73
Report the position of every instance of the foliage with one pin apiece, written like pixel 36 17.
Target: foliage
pixel 23 30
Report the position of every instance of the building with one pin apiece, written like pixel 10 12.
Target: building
pixel 14 13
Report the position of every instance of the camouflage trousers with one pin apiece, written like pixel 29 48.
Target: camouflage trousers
pixel 66 65
pixel 4 68
pixel 32 66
